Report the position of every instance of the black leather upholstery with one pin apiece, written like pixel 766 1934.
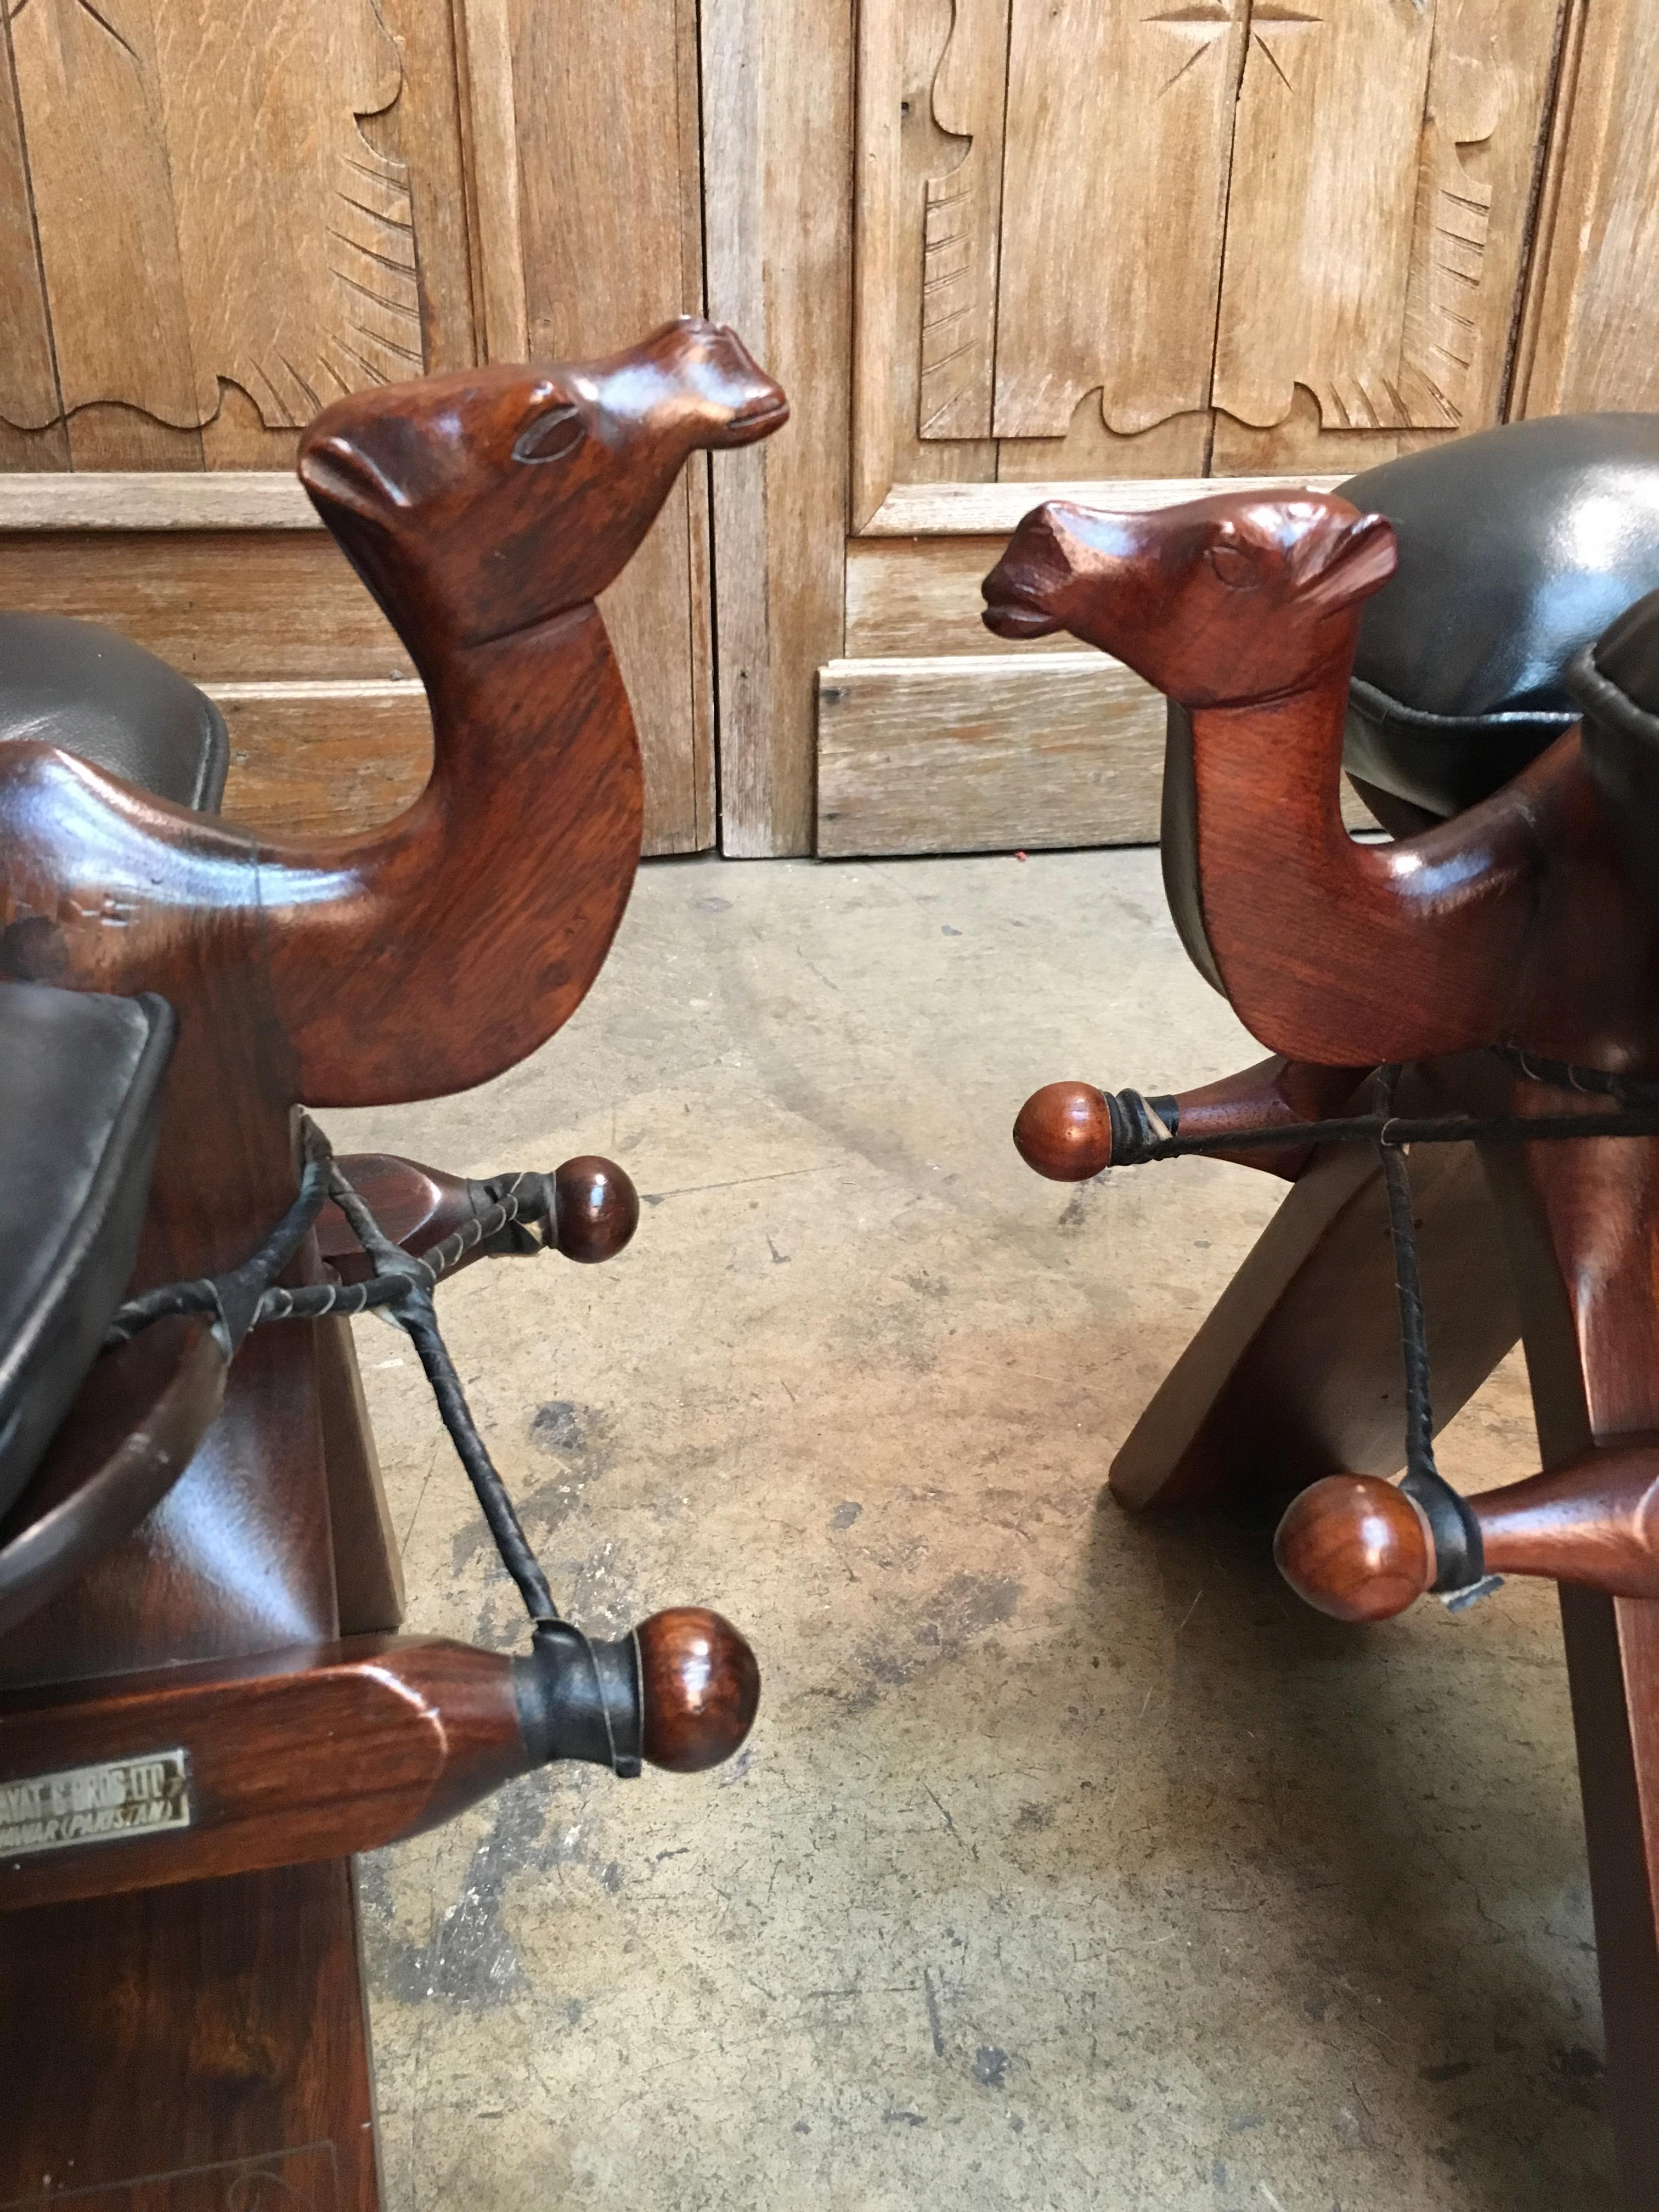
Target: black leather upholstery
pixel 1616 682
pixel 1517 547
pixel 97 694
pixel 79 1092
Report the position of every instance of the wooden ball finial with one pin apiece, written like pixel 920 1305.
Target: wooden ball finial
pixel 1064 1132
pixel 596 1209
pixel 1356 1547
pixel 700 1687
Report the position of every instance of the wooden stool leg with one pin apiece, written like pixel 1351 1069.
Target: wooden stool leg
pixel 1296 1372
pixel 174 2049
pixel 1582 1225
pixel 1612 1666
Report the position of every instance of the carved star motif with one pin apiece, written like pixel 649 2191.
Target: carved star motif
pixel 1206 18
pixel 1281 16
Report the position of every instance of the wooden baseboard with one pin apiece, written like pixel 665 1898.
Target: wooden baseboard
pixel 990 753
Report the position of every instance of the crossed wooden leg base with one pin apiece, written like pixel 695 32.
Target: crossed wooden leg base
pixel 1296 1375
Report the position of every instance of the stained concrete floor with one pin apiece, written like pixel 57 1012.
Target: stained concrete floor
pixel 1072 1863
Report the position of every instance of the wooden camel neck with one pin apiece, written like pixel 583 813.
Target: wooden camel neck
pixel 495 896
pixel 1330 950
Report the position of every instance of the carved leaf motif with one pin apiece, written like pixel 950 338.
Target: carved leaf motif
pixel 955 313
pixel 1356 248
pixel 960 225
pixel 208 207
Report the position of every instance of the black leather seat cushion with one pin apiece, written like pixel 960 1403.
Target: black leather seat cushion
pixel 1517 547
pixel 79 1092
pixel 1616 681
pixel 92 692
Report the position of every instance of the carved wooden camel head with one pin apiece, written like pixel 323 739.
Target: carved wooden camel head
pixel 1512 923
pixel 1259 586
pixel 477 504
pixel 486 510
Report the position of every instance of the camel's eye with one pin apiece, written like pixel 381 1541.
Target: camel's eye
pixel 1232 565
pixel 550 435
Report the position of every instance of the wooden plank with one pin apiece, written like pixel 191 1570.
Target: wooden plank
pixel 424 128
pixel 1381 195
pixel 484 54
pixel 323 759
pixel 328 722
pixel 233 606
pixel 917 596
pixel 937 754
pixel 948 755
pixel 962 242
pixel 875 331
pixel 108 236
pixel 29 397
pixel 1118 143
pixel 981 509
pixel 122 499
pixel 777 79
pixel 207 214
pixel 1592 338
pixel 611 248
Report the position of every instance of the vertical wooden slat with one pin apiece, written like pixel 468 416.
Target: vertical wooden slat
pixel 604 141
pixel 1591 336
pixel 1112 210
pixel 777 103
pixel 108 238
pixel 485 56
pixel 29 397
pixel 1373 272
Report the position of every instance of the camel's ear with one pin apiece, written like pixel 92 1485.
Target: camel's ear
pixel 1358 559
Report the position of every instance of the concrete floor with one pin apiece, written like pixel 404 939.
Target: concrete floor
pixel 1073 1863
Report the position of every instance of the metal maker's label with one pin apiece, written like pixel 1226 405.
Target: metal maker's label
pixel 95 1804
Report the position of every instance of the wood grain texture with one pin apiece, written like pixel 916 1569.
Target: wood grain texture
pixel 1577 1219
pixel 1360 1549
pixel 1356 1547
pixel 1376 265
pixel 1064 1130
pixel 313 1753
pixel 484 53
pixel 330 730
pixel 1295 1373
pixel 29 393
pixel 961 234
pixel 245 606
pixel 777 86
pixel 128 499
pixel 323 759
pixel 968 753
pixel 1090 301
pixel 1589 340
pixel 232 203
pixel 944 755
pixel 919 510
pixel 224 2025
pixel 606 149
pixel 699 1688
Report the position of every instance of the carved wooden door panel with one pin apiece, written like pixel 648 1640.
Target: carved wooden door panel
pixel 214 219
pixel 1147 241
